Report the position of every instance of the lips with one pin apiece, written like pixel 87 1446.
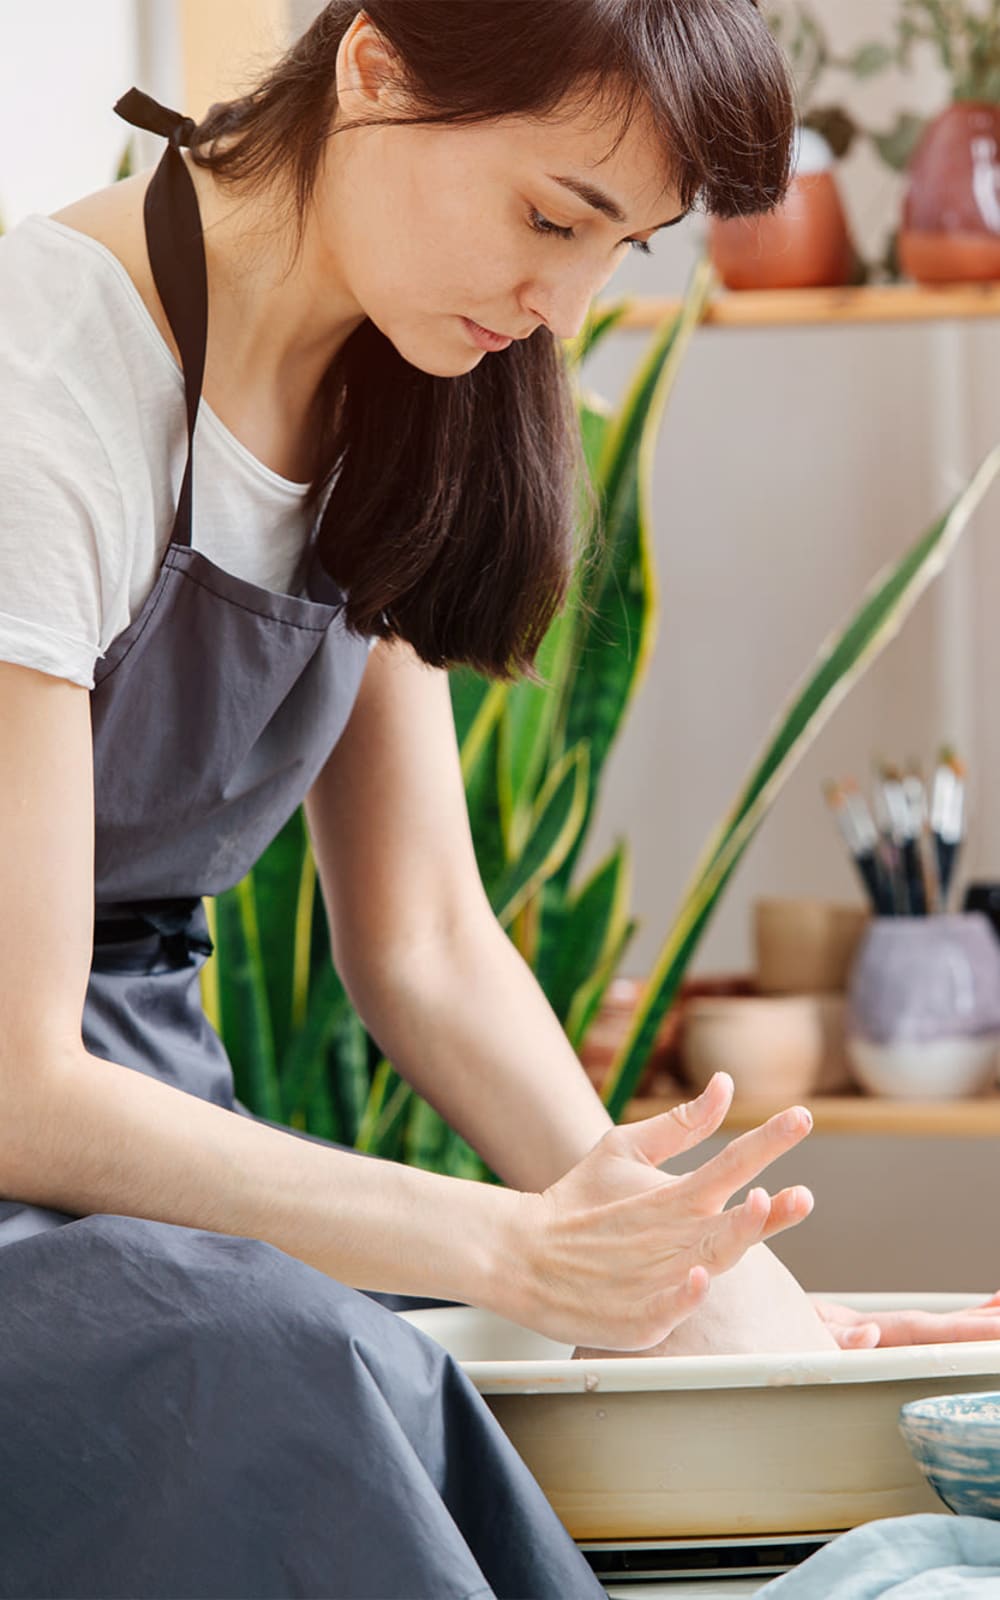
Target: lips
pixel 483 337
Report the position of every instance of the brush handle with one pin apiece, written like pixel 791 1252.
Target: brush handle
pixel 914 878
pixel 892 870
pixel 947 855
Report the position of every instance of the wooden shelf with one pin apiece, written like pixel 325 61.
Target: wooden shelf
pixel 974 1118
pixel 787 308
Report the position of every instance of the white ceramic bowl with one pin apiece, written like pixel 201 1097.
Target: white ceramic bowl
pixel 708 1446
pixel 914 1069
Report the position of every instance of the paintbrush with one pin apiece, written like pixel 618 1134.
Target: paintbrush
pixel 948 816
pixel 889 810
pixel 861 837
pixel 914 788
pixel 913 808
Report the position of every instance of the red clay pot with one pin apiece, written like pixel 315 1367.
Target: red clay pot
pixel 950 230
pixel 609 1030
pixel 804 244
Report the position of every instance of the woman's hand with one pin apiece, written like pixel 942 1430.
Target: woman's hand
pixel 863 1330
pixel 756 1308
pixel 618 1253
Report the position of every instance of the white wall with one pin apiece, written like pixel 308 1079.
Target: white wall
pixel 62 66
pixel 792 466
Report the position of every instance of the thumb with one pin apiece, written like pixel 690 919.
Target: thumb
pixel 667 1134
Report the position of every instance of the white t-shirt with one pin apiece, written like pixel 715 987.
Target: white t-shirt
pixel 93 444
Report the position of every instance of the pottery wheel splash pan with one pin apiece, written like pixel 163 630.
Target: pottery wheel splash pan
pixel 709 1446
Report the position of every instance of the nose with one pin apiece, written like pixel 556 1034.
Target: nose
pixel 562 300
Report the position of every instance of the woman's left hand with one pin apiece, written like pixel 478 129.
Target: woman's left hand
pixel 863 1330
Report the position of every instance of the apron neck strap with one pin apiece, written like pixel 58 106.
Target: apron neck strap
pixel 176 248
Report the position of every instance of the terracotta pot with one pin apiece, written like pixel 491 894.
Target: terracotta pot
pixel 804 244
pixel 950 230
pixel 609 1029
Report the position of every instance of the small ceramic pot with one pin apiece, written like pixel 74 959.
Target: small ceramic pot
pixel 772 1047
pixel 805 243
pixel 923 1006
pixel 955 1441
pixel 950 231
pixel 806 946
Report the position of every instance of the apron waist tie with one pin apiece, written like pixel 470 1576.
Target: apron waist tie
pixel 173 920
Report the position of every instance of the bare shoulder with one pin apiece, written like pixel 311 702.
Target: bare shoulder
pixel 114 217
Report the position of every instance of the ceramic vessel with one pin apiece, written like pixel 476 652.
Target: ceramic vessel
pixel 610 1028
pixel 950 230
pixel 682 1447
pixel 984 896
pixel 806 946
pixel 773 1047
pixel 804 243
pixel 955 1441
pixel 923 1006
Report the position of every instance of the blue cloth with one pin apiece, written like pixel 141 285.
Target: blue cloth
pixel 927 1557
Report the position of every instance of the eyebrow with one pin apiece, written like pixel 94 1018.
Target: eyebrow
pixel 599 201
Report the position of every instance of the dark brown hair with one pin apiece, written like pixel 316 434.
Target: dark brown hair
pixel 455 508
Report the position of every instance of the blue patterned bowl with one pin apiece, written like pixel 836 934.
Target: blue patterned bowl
pixel 955 1441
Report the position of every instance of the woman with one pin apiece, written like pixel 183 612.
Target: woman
pixel 201 1393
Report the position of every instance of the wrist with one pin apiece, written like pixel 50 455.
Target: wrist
pixel 508 1278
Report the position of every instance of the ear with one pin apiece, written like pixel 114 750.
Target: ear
pixel 370 77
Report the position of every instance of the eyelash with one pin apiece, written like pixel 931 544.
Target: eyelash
pixel 543 225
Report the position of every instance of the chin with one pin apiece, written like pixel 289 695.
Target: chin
pixel 443 366
pixel 429 354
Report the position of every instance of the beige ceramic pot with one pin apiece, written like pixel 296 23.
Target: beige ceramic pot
pixel 772 1047
pixel 689 1447
pixel 806 946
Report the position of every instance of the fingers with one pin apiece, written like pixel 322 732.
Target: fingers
pixel 859 1336
pixel 727 1238
pixel 732 1234
pixel 715 1183
pixel 789 1207
pixel 669 1308
pixel 658 1138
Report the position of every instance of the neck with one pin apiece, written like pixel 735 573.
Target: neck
pixel 277 322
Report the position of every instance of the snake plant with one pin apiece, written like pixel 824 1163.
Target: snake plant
pixel 533 756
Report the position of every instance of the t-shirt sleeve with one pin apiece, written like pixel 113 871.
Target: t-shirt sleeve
pixel 60 522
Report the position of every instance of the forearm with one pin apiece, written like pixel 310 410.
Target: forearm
pixel 467 1024
pixel 88 1136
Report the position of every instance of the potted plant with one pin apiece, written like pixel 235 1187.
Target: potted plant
pixel 950 227
pixel 533 756
pixel 806 241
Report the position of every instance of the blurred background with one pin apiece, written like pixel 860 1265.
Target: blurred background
pixel 794 463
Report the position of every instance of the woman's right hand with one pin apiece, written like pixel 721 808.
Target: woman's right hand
pixel 619 1253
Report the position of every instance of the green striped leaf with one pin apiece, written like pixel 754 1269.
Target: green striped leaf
pixel 594 923
pixel 613 646
pixel 598 322
pixel 555 825
pixel 277 885
pixel 246 1021
pixel 842 662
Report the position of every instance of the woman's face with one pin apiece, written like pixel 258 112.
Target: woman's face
pixel 427 226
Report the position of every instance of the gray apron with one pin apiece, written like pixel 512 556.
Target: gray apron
pixel 186 1413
